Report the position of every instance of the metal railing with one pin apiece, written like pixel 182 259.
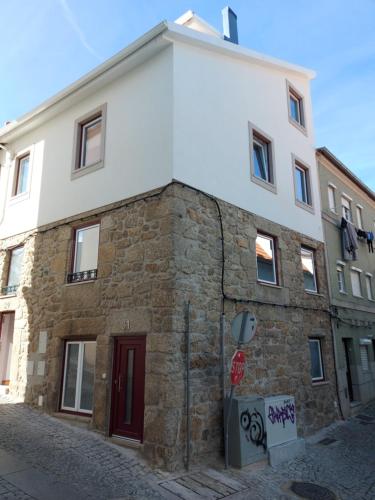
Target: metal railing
pixel 9 290
pixel 82 276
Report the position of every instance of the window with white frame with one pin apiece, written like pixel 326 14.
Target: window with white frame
pixel 296 107
pixel 359 217
pixel 332 198
pixel 262 162
pixel 364 357
pixel 341 278
pixel 370 295
pixel 22 173
pixel 14 270
pixel 317 370
pixel 355 276
pixel 302 184
pixel 346 209
pixel 266 262
pixel 78 379
pixel 308 268
pixel 85 254
pixel 89 141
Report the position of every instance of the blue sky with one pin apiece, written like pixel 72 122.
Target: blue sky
pixel 47 44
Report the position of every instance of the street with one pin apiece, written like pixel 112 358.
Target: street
pixel 44 458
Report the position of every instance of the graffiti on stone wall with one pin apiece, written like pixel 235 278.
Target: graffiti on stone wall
pixel 285 413
pixel 253 425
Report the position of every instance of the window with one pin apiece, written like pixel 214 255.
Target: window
pixel 308 267
pixel 85 254
pixel 317 372
pixel 341 278
pixel 21 180
pixel 359 217
pixel 89 141
pixel 369 287
pixel 261 159
pixel 78 380
pixel 302 184
pixel 14 270
pixel 346 209
pixel 331 198
pixel 296 107
pixel 364 357
pixel 265 252
pixel 355 276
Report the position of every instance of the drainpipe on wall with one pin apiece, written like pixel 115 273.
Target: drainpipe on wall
pixel 188 356
pixel 333 326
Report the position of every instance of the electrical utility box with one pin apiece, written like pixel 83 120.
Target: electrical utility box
pixel 280 416
pixel 247 432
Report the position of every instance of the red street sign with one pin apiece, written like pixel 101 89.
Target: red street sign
pixel 237 370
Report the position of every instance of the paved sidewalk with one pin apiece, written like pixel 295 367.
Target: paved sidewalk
pixel 46 459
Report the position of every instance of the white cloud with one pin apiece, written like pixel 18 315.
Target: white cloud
pixel 70 17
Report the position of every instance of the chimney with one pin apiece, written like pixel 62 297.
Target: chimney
pixel 230 25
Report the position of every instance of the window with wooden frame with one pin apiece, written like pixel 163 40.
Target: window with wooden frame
pixel 296 108
pixel 14 270
pixel 22 174
pixel 266 259
pixel 262 159
pixel 89 141
pixel 85 253
pixel 78 376
pixel 317 368
pixel 309 271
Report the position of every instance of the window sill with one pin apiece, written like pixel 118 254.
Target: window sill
pixel 298 125
pixel 271 285
pixel 80 282
pixel 264 184
pixel 8 296
pixel 343 293
pixel 320 383
pixel 305 206
pixel 79 172
pixel 315 294
pixel 18 198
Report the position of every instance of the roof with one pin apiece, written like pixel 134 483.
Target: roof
pixel 137 52
pixel 345 170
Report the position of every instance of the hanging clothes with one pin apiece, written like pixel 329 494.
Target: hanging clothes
pixel 370 239
pixel 349 240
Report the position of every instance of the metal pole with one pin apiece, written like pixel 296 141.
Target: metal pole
pixel 228 414
pixel 222 348
pixel 188 355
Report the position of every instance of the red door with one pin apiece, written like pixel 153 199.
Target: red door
pixel 128 385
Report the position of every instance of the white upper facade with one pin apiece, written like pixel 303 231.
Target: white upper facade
pixel 180 103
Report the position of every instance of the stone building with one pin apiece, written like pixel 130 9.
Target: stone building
pixel 170 188
pixel 346 200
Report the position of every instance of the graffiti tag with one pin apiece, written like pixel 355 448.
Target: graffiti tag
pixel 282 414
pixel 253 425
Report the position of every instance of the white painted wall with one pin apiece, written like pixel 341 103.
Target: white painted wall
pixel 214 99
pixel 138 150
pixel 182 114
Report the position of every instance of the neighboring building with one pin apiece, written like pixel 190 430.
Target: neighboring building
pixel 351 276
pixel 180 171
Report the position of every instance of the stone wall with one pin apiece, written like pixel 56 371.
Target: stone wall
pixel 155 256
pixel 278 358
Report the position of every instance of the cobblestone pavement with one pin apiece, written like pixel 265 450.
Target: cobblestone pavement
pixel 46 459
